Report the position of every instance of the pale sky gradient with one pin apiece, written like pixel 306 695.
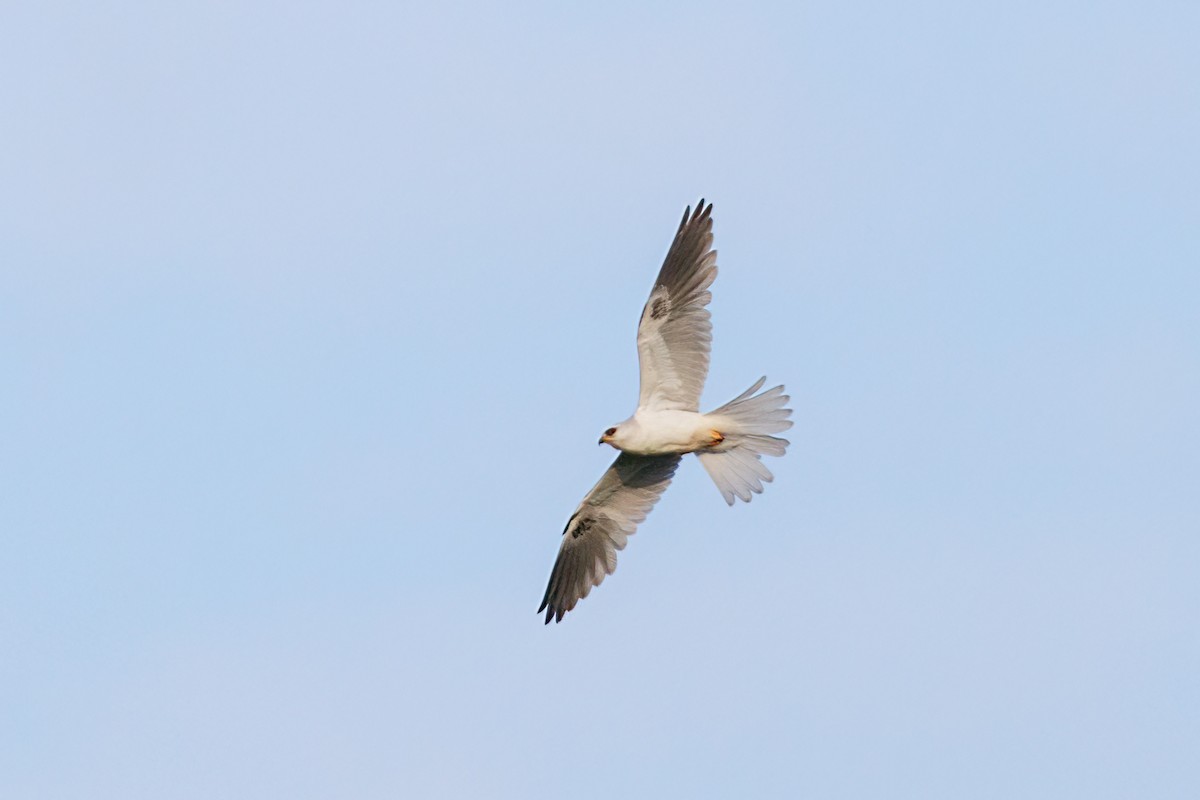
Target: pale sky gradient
pixel 311 315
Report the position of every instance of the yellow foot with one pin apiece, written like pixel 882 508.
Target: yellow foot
pixel 717 438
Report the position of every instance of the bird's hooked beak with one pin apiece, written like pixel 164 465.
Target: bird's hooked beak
pixel 603 439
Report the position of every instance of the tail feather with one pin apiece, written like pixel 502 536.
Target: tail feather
pixel 746 422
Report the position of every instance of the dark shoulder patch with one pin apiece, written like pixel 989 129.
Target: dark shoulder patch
pixel 659 307
pixel 582 526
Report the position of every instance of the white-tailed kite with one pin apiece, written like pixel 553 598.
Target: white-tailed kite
pixel 673 341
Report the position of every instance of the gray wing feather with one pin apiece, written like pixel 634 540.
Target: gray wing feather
pixel 675 331
pixel 607 517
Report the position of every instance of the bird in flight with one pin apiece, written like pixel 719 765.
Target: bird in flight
pixel 673 340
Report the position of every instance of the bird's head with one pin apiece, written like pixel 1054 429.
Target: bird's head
pixel 607 438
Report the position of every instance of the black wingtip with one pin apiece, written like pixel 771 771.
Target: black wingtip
pixel 702 212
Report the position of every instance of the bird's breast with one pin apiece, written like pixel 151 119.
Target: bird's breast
pixel 657 433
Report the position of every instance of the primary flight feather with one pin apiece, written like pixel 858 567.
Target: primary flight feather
pixel 674 338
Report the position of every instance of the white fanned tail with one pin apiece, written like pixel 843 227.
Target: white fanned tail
pixel 747 422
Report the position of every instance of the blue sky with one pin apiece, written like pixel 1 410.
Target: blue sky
pixel 311 314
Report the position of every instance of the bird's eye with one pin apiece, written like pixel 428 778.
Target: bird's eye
pixel 610 431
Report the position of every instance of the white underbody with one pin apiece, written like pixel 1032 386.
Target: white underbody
pixel 668 432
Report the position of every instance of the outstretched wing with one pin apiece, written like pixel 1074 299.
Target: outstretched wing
pixel 675 332
pixel 608 515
